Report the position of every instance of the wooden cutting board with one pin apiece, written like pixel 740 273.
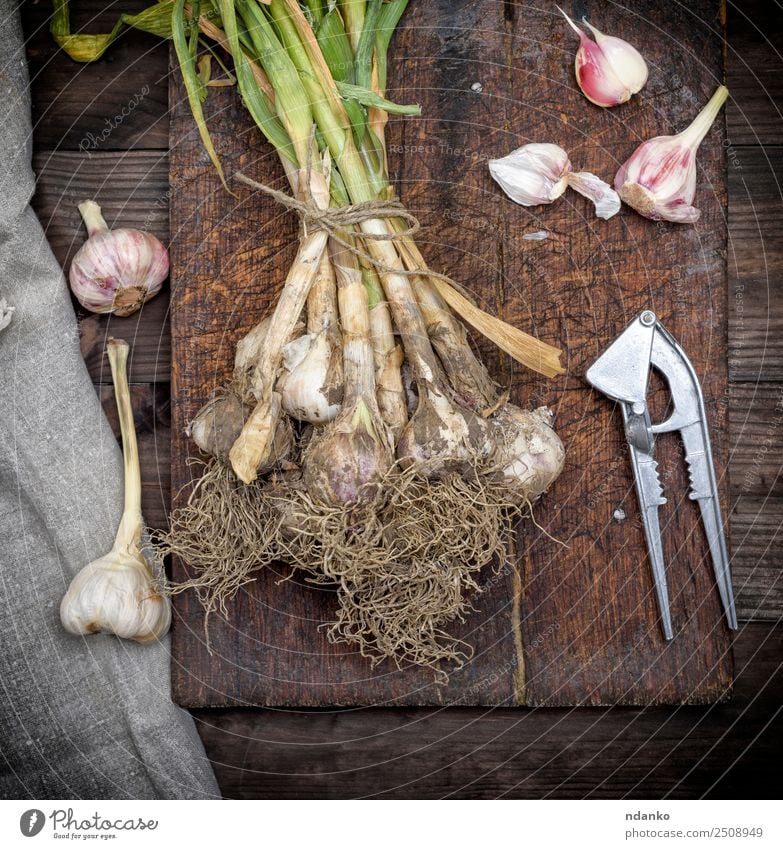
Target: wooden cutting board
pixel 571 620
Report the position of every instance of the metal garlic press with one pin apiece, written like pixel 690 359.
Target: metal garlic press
pixel 622 373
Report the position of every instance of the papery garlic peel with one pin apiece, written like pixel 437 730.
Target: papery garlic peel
pixel 537 174
pixel 116 271
pixel 659 178
pixel 608 70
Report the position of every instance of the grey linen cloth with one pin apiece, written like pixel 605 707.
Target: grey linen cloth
pixel 79 717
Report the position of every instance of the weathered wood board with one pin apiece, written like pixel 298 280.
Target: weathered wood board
pixel 572 620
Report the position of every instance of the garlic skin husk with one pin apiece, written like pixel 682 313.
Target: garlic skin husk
pixel 604 197
pixel 118 593
pixel 609 70
pixel 116 271
pixel 528 452
pixel 659 178
pixel 533 174
pixel 309 384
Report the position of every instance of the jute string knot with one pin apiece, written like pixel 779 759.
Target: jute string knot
pixel 335 219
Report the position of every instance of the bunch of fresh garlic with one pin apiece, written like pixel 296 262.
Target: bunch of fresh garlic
pixel 117 593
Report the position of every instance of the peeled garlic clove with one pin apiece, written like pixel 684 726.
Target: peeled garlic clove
pixel 116 271
pixel 659 178
pixel 116 594
pixel 533 174
pixel 604 197
pixel 310 389
pixel 528 452
pixel 609 70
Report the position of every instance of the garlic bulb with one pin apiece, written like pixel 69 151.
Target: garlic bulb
pixel 116 271
pixel 608 70
pixel 659 178
pixel 527 449
pixel 442 437
pixel 219 422
pixel 311 382
pixel 117 593
pixel 345 459
pixel 536 174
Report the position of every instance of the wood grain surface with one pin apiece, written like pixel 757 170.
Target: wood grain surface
pixel 570 620
pixel 726 750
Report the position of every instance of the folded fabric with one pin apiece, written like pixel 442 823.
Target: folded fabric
pixel 79 717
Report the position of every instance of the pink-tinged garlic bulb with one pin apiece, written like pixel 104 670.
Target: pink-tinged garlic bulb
pixel 347 459
pixel 609 70
pixel 116 271
pixel 659 178
pixel 527 452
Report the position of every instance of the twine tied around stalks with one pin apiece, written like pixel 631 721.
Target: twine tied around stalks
pixel 336 218
pixel 526 349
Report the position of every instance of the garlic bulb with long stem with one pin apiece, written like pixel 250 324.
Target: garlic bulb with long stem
pixel 116 271
pixel 254 444
pixel 344 461
pixel 311 382
pixel 117 593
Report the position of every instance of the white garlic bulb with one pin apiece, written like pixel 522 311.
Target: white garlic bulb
pixel 528 451
pixel 116 271
pixel 305 383
pixel 117 593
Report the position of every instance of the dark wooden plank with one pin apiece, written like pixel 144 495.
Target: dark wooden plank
pixel 116 103
pixel 132 189
pixel 590 621
pixel 727 750
pixel 225 279
pixel 757 542
pixel 755 113
pixel 756 423
pixel 756 264
pixel 151 416
pixel 574 625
